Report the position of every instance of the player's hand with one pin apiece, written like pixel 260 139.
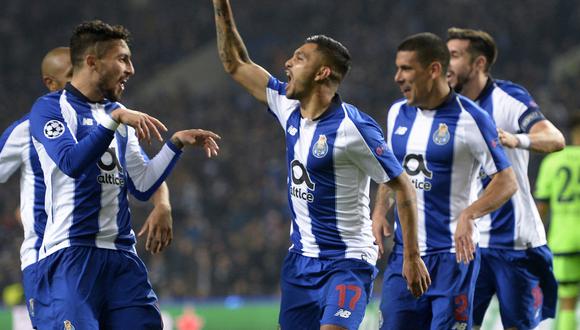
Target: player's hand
pixel 197 137
pixel 507 139
pixel 381 229
pixel 416 274
pixel 464 246
pixel 145 126
pixel 159 228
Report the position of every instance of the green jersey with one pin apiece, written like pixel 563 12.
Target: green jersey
pixel 558 183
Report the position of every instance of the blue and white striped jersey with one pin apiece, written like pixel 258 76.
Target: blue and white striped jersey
pixel 89 163
pixel 17 151
pixel 517 224
pixel 443 150
pixel 330 162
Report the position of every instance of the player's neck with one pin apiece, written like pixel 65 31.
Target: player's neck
pixel 316 103
pixel 473 88
pixel 86 87
pixel 438 96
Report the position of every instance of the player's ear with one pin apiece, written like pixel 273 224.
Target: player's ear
pixel 435 69
pixel 90 61
pixel 48 81
pixel 480 62
pixel 323 73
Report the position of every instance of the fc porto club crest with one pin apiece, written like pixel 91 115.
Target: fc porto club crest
pixel 320 148
pixel 441 135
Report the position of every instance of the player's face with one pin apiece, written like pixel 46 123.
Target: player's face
pixel 301 69
pixel 114 68
pixel 461 66
pixel 414 81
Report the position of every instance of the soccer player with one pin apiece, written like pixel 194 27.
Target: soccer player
pixel 558 192
pixel 515 262
pixel 333 150
pixel 442 139
pixel 17 151
pixel 89 275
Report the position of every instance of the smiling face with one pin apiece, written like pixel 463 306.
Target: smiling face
pixel 114 69
pixel 301 70
pixel 461 66
pixel 415 82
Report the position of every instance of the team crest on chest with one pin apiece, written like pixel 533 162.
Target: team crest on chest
pixel 441 135
pixel 320 148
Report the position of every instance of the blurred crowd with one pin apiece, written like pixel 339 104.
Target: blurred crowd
pixel 231 220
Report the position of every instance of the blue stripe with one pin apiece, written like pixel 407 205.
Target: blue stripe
pixel 87 200
pixel 87 204
pixel 124 238
pixel 323 209
pixel 40 216
pixel 405 118
pixel 374 139
pixel 291 140
pixel 437 201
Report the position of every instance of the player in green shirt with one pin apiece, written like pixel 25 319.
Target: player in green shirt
pixel 558 191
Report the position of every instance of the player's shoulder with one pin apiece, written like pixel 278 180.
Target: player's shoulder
pixel 472 109
pixel 47 101
pixel 515 91
pixel 17 127
pixel 276 85
pixel 357 116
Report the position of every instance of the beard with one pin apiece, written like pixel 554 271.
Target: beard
pixel 109 92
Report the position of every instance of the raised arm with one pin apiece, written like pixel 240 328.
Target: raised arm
pixel 501 188
pixel 234 55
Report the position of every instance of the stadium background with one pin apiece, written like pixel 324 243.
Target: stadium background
pixel 230 213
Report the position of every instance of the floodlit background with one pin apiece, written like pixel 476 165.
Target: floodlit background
pixel 231 220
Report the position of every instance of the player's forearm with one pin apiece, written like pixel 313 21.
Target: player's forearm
pixel 548 141
pixel 382 201
pixel 161 197
pixel 406 199
pixel 501 188
pixel 231 48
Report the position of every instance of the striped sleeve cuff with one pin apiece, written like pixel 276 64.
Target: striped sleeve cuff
pixel 109 123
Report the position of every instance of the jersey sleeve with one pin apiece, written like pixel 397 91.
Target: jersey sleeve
pixel 482 138
pixel 544 181
pixel 525 111
pixel 12 143
pixel 366 147
pixel 278 104
pixel 144 175
pixel 49 127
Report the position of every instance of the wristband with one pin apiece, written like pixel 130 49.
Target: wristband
pixel 523 141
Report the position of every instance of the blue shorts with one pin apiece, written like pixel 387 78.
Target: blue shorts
pixel 447 304
pixel 29 285
pixel 93 288
pixel 510 275
pixel 322 291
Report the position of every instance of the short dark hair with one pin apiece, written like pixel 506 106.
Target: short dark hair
pixel 429 48
pixel 480 43
pixel 335 53
pixel 94 36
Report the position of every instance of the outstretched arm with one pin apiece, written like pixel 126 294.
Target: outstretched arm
pixel 501 188
pixel 414 270
pixel 234 55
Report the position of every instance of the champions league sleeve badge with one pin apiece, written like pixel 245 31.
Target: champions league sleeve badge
pixel 441 135
pixel 320 148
